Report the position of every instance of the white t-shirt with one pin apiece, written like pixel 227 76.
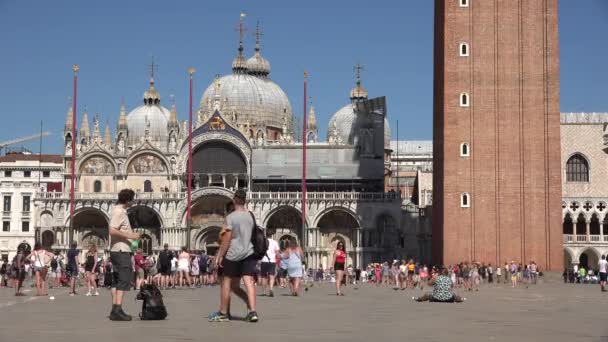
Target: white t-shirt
pixel 271 253
pixel 603 266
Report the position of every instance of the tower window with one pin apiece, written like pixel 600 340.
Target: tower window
pixel 465 150
pixel 464 100
pixel 97 186
pixel 465 200
pixel 464 3
pixel 577 169
pixel 464 49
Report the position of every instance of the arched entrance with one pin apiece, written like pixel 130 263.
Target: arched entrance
pixel 208 240
pixel 337 225
pixel 146 221
pixel 91 226
pixel 286 225
pixel 581 225
pixel 588 258
pixel 567 258
pixel 568 226
pixel 218 163
pixel 48 239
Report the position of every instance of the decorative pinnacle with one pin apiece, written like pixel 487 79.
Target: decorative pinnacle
pixel 75 68
pixel 191 71
pixel 241 32
pixel 305 75
pixel 358 69
pixel 152 71
pixel 258 34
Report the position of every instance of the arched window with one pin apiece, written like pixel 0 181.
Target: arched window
pixel 464 100
pixel 577 169
pixel 464 49
pixel 465 200
pixel 147 186
pixel 97 186
pixel 465 151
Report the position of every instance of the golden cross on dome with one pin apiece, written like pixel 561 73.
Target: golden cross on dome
pixel 358 69
pixel 152 65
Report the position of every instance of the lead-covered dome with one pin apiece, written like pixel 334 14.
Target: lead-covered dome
pixel 253 100
pixel 345 122
pixel 150 116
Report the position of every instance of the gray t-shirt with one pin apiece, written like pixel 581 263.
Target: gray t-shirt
pixel 241 225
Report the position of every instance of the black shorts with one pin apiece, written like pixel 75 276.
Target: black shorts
pixel 603 276
pixel 339 266
pixel 123 270
pixel 235 269
pixel 165 270
pixel 282 273
pixel 268 269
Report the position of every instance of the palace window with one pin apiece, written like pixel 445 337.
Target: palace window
pixel 464 49
pixel 464 100
pixel 464 3
pixel 6 226
pixel 46 174
pixel 465 151
pixel 465 200
pixel 25 226
pixel 7 203
pixel 97 186
pixel 27 174
pixel 26 203
pixel 8 173
pixel 147 186
pixel 577 169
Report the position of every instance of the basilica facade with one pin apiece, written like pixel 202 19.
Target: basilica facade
pixel 243 138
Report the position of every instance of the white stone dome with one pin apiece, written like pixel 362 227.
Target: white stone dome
pixel 155 115
pixel 345 120
pixel 255 100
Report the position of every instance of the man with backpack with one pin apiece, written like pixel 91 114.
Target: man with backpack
pixel 18 270
pixel 237 257
pixel 203 261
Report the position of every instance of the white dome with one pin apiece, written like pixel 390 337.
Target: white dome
pixel 255 100
pixel 157 117
pixel 346 119
pixel 258 65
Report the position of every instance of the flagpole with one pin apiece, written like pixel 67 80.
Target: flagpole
pixel 75 69
pixel 304 138
pixel 189 209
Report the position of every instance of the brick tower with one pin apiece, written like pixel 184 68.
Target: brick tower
pixel 496 132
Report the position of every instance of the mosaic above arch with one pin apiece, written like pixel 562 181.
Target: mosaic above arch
pixel 97 166
pixel 145 164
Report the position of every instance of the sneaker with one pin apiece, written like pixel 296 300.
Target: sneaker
pixel 252 317
pixel 119 315
pixel 72 294
pixel 88 294
pixel 218 317
pixel 96 293
pixel 271 294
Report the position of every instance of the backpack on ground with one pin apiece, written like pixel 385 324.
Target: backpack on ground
pixel 258 240
pixel 153 307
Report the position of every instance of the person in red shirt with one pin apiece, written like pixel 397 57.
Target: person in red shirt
pixel 140 262
pixel 339 261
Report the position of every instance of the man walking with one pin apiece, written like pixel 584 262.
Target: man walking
pixel 603 267
pixel 72 267
pixel 236 257
pixel 121 236
pixel 268 268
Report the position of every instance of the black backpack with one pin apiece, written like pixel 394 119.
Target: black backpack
pixel 153 308
pixel 258 240
pixel 54 264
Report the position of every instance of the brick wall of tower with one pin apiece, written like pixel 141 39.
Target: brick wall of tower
pixel 512 126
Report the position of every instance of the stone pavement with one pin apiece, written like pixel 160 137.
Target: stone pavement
pixel 546 312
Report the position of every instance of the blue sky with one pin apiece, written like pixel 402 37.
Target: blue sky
pixel 113 42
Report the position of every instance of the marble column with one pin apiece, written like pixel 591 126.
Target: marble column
pixel 588 229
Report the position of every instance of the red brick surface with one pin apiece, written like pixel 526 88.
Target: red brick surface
pixel 512 126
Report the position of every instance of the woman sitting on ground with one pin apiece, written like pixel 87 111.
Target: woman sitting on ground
pixel 442 289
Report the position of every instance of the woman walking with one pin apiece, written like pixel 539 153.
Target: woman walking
pixel 39 259
pixel 339 261
pixel 90 266
pixel 294 266
pixel 140 261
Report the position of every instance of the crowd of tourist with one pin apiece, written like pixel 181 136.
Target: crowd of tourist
pixel 250 258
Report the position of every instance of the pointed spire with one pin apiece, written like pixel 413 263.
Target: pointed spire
pixel 312 119
pixel 239 64
pixel 84 128
pixel 107 140
pixel 257 37
pixel 122 117
pixel 69 118
pixel 173 116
